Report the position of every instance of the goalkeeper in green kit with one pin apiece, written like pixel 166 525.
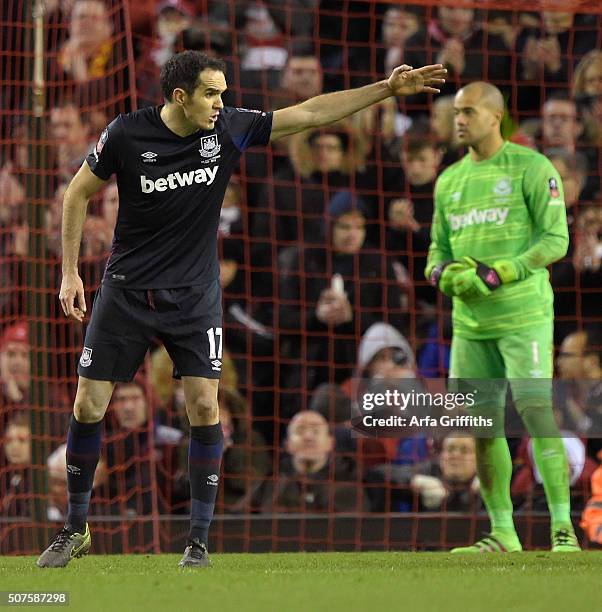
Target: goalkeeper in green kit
pixel 499 220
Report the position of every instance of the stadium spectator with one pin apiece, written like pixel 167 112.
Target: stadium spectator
pixel 399 24
pixel 455 38
pixel 311 478
pixel 87 53
pixel 580 267
pixel 579 396
pixel 447 484
pixel 110 205
pixel 152 446
pixel 56 466
pixel 386 362
pixel 15 466
pixel 409 219
pixel 302 77
pixel 573 170
pixel 248 320
pixel 591 519
pixel 69 137
pixel 331 295
pixel 547 53
pixel 263 40
pixel 527 488
pixel 587 78
pixel 246 461
pixel 173 17
pixel 442 126
pixel 14 235
pixel 321 165
pixel 15 370
pixel 560 126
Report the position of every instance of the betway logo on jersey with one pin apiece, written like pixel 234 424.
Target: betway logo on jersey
pixel 477 217
pixel 176 180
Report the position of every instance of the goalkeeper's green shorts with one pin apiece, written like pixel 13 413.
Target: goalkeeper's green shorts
pixel 524 359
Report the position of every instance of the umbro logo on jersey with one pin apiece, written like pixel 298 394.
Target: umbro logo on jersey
pixel 477 217
pixel 217 365
pixel 176 180
pixel 149 156
pixel 212 480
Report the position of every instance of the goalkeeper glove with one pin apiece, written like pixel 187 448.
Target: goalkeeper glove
pixel 480 279
pixel 442 275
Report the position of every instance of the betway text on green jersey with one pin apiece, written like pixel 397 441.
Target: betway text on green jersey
pixel 510 206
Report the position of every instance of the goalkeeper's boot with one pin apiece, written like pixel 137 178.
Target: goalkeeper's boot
pixel 493 543
pixel 564 539
pixel 65 546
pixel 195 555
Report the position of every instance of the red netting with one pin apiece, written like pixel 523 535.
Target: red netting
pixel 278 257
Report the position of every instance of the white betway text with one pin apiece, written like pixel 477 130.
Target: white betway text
pixel 477 217
pixel 176 180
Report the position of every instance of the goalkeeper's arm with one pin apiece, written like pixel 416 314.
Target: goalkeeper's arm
pixel 544 197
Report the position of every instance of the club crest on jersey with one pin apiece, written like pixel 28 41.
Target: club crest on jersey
pixel 86 359
pixel 503 187
pixel 553 187
pixel 210 147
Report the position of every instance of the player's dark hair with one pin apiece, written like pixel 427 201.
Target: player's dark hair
pixel 182 70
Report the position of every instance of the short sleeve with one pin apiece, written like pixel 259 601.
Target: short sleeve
pixel 248 128
pixel 104 158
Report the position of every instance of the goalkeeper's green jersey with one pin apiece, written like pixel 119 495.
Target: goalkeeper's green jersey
pixel 510 206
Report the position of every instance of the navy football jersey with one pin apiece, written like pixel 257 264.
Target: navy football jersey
pixel 171 189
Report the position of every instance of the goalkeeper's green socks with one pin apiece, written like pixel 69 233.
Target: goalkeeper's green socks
pixel 549 456
pixel 494 468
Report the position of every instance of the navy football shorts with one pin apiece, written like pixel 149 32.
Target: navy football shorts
pixel 124 323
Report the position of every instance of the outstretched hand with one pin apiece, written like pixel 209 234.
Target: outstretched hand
pixel 405 80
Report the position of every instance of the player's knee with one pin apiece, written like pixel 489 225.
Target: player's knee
pixel 203 410
pixel 89 409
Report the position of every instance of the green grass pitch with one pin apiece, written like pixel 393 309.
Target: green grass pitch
pixel 371 582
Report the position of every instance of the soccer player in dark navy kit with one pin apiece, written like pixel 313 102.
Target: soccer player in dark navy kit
pixel 172 163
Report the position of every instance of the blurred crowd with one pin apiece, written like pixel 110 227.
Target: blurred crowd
pixel 323 240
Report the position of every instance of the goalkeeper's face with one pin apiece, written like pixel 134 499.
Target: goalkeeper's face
pixel 474 120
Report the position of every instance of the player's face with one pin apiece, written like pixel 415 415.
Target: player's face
pixel 17 444
pixel 473 120
pixel 130 406
pixel 203 106
pixel 458 459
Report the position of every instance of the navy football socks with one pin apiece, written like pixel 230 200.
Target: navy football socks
pixel 204 459
pixel 83 452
